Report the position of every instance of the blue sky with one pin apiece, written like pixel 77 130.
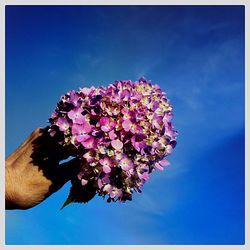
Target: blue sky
pixel 196 54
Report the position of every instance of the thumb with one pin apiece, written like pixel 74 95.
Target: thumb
pixel 69 170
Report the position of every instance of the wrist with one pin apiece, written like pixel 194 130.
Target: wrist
pixel 9 192
pixel 13 198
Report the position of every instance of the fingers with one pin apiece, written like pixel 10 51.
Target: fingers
pixel 37 132
pixel 25 145
pixel 69 170
pixel 63 173
pixel 45 145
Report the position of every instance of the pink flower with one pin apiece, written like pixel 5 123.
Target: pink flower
pixel 125 95
pixel 126 163
pixel 127 124
pixel 89 156
pixel 112 135
pixel 167 118
pixel 138 143
pixel 157 122
pixel 161 164
pixel 85 128
pixel 107 124
pixel 118 132
pixel 155 144
pixel 117 144
pixel 73 97
pixel 142 172
pixel 115 192
pixel 154 105
pixel 116 98
pixel 80 175
pixel 132 127
pixel 127 113
pixel 76 115
pixel 102 181
pixel 89 143
pixel 107 188
pixel 82 137
pixel 112 191
pixel 106 164
pixel 86 91
pixel 63 124
pixel 169 149
pixel 84 182
pixel 54 115
pixel 144 176
pixel 136 97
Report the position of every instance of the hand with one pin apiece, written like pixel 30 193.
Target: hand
pixel 33 173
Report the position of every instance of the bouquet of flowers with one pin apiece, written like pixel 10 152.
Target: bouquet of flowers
pixel 120 134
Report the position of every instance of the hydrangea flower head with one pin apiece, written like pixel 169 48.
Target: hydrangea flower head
pixel 121 134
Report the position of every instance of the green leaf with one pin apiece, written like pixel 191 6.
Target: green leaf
pixel 79 193
pixel 67 202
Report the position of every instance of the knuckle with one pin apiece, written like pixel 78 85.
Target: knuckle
pixel 38 131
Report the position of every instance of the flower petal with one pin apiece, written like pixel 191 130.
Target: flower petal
pixel 107 188
pixel 104 121
pixel 62 123
pixel 89 143
pixel 157 165
pixel 84 182
pixel 127 125
pixel 117 144
pixel 86 126
pixel 164 163
pixel 83 137
pixel 106 169
pixel 112 135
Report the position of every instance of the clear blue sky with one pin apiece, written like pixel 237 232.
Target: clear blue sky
pixel 196 54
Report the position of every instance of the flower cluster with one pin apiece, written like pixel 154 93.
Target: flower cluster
pixel 122 131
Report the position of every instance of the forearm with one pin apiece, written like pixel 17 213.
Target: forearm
pixel 14 190
pixel 32 171
pixel 16 176
pixel 10 202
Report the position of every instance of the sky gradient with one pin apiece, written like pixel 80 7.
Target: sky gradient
pixel 196 55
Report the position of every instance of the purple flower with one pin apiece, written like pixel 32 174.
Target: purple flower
pixel 85 128
pixel 119 133
pixel 106 164
pixel 54 115
pixel 107 124
pixel 157 122
pixel 138 143
pixel 73 97
pixel 126 163
pixel 117 144
pixel 134 128
pixel 112 135
pixel 84 182
pixel 142 172
pixel 89 143
pixel 102 181
pixel 89 156
pixel 86 91
pixel 167 118
pixel 125 95
pixel 161 164
pixel 127 113
pixel 63 124
pixel 127 124
pixel 76 116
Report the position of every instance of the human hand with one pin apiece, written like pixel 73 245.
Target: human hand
pixel 33 172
